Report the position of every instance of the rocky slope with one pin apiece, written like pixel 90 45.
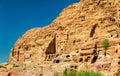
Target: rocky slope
pixel 74 39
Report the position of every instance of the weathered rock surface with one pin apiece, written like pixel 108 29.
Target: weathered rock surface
pixel 73 39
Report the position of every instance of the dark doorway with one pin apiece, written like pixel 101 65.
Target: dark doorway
pixel 51 49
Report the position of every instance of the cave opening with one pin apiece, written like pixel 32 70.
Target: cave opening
pixel 18 56
pixel 95 54
pixel 9 74
pixel 93 30
pixel 13 53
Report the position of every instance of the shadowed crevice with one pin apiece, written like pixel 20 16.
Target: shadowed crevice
pixel 93 30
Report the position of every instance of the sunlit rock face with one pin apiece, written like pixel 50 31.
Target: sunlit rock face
pixel 80 28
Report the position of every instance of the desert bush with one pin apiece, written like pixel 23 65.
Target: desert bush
pixel 70 73
pixel 105 44
pixel 81 73
pixel 88 73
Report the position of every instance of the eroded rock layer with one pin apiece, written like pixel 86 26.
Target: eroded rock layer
pixel 77 32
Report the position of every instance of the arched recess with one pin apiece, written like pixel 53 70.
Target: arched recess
pixel 93 30
pixel 51 49
pixel 20 56
pixel 13 53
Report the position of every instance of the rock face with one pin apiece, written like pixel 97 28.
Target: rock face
pixel 78 32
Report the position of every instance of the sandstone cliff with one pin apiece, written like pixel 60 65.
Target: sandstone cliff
pixel 78 31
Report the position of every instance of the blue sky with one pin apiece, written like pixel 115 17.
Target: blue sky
pixel 18 16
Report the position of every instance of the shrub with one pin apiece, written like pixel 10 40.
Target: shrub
pixel 88 73
pixel 81 73
pixel 71 73
pixel 65 73
pixel 105 44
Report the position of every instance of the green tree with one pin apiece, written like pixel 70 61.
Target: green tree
pixel 105 45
